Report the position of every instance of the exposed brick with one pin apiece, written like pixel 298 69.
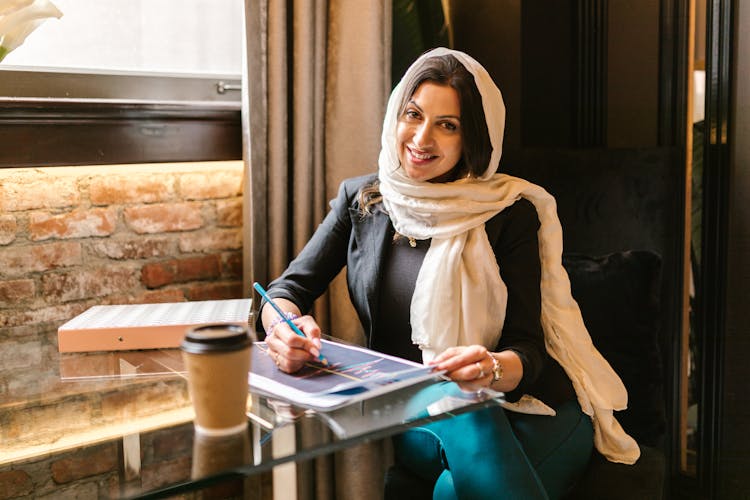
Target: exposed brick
pixel 24 332
pixel 165 472
pixel 216 291
pixel 205 185
pixel 51 192
pixel 20 354
pixel 199 268
pixel 211 240
pixel 113 488
pixel 37 424
pixel 15 483
pixel 163 218
pixel 74 491
pixel 56 313
pixel 86 283
pixel 19 260
pixel 15 291
pixel 159 273
pixel 231 265
pixel 160 296
pixel 75 224
pixel 173 443
pixel 8 229
pixel 137 188
pixel 142 247
pixel 85 463
pixel 229 213
pixel 18 382
pixel 149 399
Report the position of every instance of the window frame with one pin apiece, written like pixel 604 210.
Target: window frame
pixel 65 117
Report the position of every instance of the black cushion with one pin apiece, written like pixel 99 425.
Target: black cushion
pixel 619 299
pixel 643 480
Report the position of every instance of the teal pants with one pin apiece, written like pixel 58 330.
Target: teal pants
pixel 493 453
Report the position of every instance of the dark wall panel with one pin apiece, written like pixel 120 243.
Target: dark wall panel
pixel 733 480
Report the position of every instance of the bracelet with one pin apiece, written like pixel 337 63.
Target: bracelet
pixel 278 319
pixel 497 369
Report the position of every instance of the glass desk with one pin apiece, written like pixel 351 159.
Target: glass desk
pixel 119 425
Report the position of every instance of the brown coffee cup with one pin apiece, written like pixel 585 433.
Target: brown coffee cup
pixel 217 359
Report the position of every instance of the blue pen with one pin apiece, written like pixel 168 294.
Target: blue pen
pixel 321 359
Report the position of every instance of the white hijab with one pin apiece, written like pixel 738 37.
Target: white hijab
pixel 460 299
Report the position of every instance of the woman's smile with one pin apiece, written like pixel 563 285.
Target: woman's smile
pixel 419 156
pixel 428 134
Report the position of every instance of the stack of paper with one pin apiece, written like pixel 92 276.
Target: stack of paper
pixel 353 374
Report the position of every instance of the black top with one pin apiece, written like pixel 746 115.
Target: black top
pixel 516 228
pixel 392 334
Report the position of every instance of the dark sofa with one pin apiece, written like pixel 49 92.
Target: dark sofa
pixel 618 295
pixel 611 200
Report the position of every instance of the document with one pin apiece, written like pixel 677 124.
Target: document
pixel 353 374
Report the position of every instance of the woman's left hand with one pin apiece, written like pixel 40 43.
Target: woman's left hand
pixel 469 366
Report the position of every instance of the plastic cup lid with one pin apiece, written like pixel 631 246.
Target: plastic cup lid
pixel 216 338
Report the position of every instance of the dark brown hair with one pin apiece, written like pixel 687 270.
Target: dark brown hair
pixel 475 138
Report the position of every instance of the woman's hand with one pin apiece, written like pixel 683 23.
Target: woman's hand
pixel 471 367
pixel 288 350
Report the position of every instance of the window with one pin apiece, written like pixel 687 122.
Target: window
pixel 125 81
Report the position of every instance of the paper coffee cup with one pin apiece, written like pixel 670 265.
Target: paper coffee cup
pixel 217 359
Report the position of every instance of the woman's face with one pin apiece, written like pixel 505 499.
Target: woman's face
pixel 428 135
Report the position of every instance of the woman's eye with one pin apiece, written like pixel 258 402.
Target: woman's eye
pixel 450 126
pixel 411 114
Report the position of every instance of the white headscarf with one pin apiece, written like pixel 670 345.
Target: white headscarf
pixel 460 298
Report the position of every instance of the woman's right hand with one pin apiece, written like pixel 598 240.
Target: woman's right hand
pixel 288 350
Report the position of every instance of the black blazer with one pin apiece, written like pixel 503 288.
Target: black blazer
pixel 346 237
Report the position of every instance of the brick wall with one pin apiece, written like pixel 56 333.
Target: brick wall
pixel 94 472
pixel 72 237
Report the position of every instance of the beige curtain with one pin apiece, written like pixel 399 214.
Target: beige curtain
pixel 315 84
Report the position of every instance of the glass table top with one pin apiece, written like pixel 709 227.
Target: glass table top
pixel 119 424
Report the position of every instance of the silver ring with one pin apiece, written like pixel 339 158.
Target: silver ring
pixel 481 370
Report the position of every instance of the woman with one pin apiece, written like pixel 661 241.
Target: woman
pixel 453 264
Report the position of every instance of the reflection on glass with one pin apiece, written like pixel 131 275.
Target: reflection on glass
pixel 690 381
pixel 696 213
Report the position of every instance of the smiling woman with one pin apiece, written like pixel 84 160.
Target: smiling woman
pixel 118 81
